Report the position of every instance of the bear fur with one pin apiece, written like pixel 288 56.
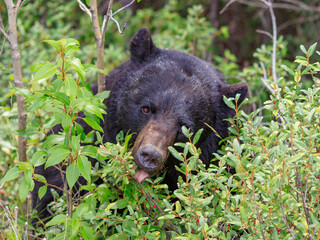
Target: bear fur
pixel 154 94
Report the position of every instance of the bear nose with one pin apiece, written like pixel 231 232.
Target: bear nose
pixel 149 156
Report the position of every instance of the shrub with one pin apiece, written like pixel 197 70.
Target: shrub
pixel 274 193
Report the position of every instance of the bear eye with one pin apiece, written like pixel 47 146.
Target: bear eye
pixel 146 110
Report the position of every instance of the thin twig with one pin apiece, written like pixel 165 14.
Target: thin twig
pixel 159 208
pixel 123 8
pixel 84 8
pixel 6 36
pixel 106 18
pixel 296 21
pixel 284 217
pixel 118 25
pixel 274 41
pixel 256 206
pixel 291 4
pixel 264 79
pixel 4 33
pixel 264 32
pixel 226 6
pixel 19 4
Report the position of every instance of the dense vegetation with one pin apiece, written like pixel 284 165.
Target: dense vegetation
pixel 274 149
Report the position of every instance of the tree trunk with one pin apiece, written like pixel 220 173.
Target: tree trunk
pixel 17 73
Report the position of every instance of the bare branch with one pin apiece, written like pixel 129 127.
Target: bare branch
pixel 4 33
pixel 110 15
pixel 226 6
pixel 123 8
pixel 298 21
pixel 3 30
pixel 286 4
pixel 118 25
pixel 274 42
pixel 264 79
pixel 106 18
pixel 84 8
pixel 265 33
pixel 301 6
pixel 2 46
pixel 19 6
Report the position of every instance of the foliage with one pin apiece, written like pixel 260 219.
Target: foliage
pixel 273 194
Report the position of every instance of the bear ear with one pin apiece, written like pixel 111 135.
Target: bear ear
pixel 142 46
pixel 233 90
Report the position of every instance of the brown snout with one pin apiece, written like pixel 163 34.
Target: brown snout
pixel 150 150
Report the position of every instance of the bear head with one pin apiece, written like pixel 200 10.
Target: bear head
pixel 156 93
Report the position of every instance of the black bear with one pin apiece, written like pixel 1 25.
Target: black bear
pixel 153 95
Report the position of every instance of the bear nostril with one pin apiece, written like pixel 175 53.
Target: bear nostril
pixel 149 156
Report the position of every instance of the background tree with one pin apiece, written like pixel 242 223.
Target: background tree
pixel 11 35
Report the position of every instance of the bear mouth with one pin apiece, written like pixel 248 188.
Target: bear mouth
pixel 140 175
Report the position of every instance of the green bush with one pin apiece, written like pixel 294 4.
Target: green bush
pixel 274 193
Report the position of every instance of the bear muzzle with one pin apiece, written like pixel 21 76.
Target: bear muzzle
pixel 150 150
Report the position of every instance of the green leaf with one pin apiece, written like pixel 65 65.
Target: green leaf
pixel 42 191
pixel 103 95
pixel 121 204
pixel 45 71
pixel 75 143
pixel 52 140
pixel 244 214
pixel 61 218
pixel 71 46
pixel 28 178
pixel 169 216
pixel 66 123
pixel 23 191
pixel 35 67
pixel 84 167
pixel 92 123
pixel 295 157
pixel 40 178
pixel 56 157
pixel 93 68
pixel 38 158
pixel 72 174
pixel 75 225
pixel 87 233
pixel 176 154
pixel 13 173
pixel 94 110
pixel 78 67
pixel 287 70
pixel 310 115
pixel 90 151
pixel 63 98
pixel 311 49
pixel 178 206
pixel 229 103
pixel 186 131
pixel 303 49
pixel 54 44
pixel 117 236
pixel 197 136
pixel 71 87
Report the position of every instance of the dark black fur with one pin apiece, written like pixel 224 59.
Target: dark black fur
pixel 180 88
